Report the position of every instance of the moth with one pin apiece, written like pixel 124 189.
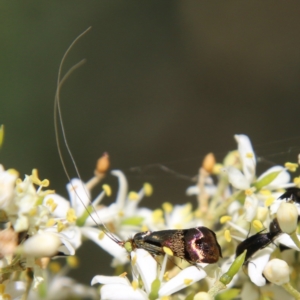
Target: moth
pixel 195 245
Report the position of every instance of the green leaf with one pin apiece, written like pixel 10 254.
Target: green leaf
pixel 136 221
pixel 266 180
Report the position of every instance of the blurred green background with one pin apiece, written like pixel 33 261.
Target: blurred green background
pixel 165 82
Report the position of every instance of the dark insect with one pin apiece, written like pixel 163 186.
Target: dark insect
pixel 258 241
pixel 291 194
pixel 195 245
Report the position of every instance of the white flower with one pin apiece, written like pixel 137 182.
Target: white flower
pixel 145 266
pixel 277 271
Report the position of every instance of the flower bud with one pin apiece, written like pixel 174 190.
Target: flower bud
pixel 287 216
pixel 208 163
pixel 277 271
pixel 41 245
pixel 102 164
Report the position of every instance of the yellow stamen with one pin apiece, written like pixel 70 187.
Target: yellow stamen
pixel 265 192
pixel 248 192
pixel 187 281
pixel 257 225
pixel 107 189
pixel 148 189
pixel 227 235
pixel 50 202
pixel 249 155
pixel 269 201
pixel 135 284
pixel 198 214
pixel 217 169
pixel 168 251
pixel 157 216
pixel 35 179
pixel 133 196
pixel 178 226
pixel 166 276
pixel 296 180
pixel 187 209
pixel 165 298
pixel 225 219
pixel 101 235
pixel 292 167
pixel 50 223
pixel 120 213
pixel 54 267
pixel 144 228
pixel 14 172
pixel 60 226
pixel 73 261
pixel 123 275
pixel 33 212
pixel 167 207
pixel 71 216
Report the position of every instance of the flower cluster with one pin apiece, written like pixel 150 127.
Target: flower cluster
pixel 245 244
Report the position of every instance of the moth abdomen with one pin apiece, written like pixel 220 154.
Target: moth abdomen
pixel 195 245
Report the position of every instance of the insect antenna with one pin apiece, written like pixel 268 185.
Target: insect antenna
pixel 58 124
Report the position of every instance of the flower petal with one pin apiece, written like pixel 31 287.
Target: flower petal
pixel 79 195
pixel 123 186
pixel 257 264
pixel 250 206
pixel 63 205
pixel 106 243
pixel 110 280
pixel 237 178
pixel 121 292
pixel 146 266
pixel 185 278
pixel 247 156
pixel 286 240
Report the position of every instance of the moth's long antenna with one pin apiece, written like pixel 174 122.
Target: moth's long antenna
pixel 58 119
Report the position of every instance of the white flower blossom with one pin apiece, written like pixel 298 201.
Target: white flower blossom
pixel 146 267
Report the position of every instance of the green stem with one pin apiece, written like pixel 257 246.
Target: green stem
pixel 288 287
pixel 215 289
